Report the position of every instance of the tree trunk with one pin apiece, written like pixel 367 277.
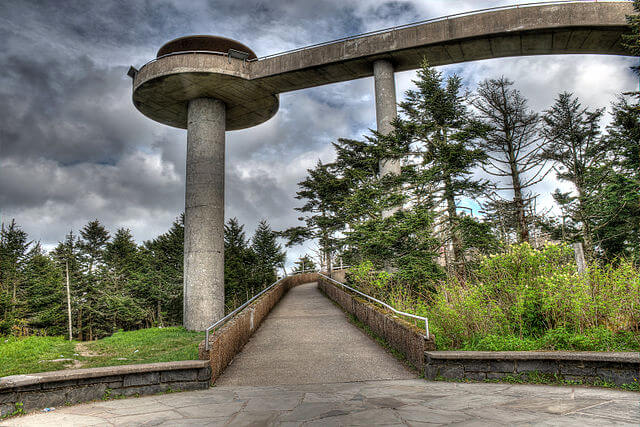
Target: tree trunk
pixel 586 226
pixel 458 255
pixel 159 313
pixel 523 229
pixel 69 303
pixel 79 324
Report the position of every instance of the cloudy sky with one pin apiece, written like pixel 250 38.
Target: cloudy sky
pixel 73 147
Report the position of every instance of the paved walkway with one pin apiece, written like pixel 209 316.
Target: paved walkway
pixel 307 365
pixel 388 402
pixel 306 339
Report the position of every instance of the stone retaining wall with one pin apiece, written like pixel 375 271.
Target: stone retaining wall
pixel 582 367
pixel 229 340
pixel 58 388
pixel 399 334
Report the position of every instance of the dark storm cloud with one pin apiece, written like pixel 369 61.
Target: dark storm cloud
pixel 69 111
pixel 73 147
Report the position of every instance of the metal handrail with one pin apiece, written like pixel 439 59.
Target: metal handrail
pixel 426 21
pixel 234 312
pixel 426 321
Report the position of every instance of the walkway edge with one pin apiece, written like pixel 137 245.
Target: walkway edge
pixel 229 340
pixel 399 334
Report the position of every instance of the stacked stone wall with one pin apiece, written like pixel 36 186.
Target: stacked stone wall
pixel 229 340
pixel 58 388
pixel 576 367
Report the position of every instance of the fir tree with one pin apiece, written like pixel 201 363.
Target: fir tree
pixel 94 239
pixel 620 193
pixel 164 260
pixel 512 145
pixel 45 295
pixel 268 254
pixel 573 143
pixel 67 253
pixel 14 246
pixel 323 192
pixel 445 134
pixel 238 264
pixel 304 263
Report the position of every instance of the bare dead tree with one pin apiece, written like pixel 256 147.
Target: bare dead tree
pixel 512 146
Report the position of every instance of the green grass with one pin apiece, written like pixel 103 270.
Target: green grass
pixel 35 354
pixel 558 339
pixel 535 377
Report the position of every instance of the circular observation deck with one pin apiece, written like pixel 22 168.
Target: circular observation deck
pixel 203 67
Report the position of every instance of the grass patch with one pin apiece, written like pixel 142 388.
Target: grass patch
pixel 597 339
pixel 144 346
pixel 536 377
pixel 33 354
pixel 20 355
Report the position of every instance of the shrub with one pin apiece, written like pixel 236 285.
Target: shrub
pixel 524 299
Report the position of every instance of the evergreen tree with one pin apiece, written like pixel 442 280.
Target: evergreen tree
pixel 304 263
pixel 67 253
pixel 94 239
pixel 124 303
pixel 619 196
pixel 238 265
pixel 573 143
pixel 91 295
pixel 268 254
pixel 444 132
pixel 323 192
pixel 45 296
pixel 163 271
pixel 14 246
pixel 512 145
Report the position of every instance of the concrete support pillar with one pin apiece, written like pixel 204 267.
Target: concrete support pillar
pixel 204 215
pixel 386 112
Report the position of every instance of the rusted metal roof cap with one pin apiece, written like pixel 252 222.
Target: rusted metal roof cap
pixel 204 43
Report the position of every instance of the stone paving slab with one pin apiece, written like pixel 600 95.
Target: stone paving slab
pixel 388 402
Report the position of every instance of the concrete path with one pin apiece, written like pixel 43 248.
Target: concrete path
pixel 306 339
pixel 388 402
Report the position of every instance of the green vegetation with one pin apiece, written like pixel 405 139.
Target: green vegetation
pixel 505 277
pixel 523 299
pixel 23 355
pixel 114 283
pixel 535 377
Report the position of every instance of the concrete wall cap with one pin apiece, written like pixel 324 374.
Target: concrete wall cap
pixel 74 374
pixel 587 356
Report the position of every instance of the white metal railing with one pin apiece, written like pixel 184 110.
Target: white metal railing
pixel 402 313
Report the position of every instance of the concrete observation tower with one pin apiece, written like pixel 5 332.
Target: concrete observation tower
pixel 209 85
pixel 207 94
pixel 203 84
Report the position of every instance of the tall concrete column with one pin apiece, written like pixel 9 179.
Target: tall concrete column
pixel 204 214
pixel 386 112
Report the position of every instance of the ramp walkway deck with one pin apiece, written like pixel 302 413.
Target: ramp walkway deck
pixel 306 339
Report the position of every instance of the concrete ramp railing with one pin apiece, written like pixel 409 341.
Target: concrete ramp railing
pixel 227 337
pixel 426 21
